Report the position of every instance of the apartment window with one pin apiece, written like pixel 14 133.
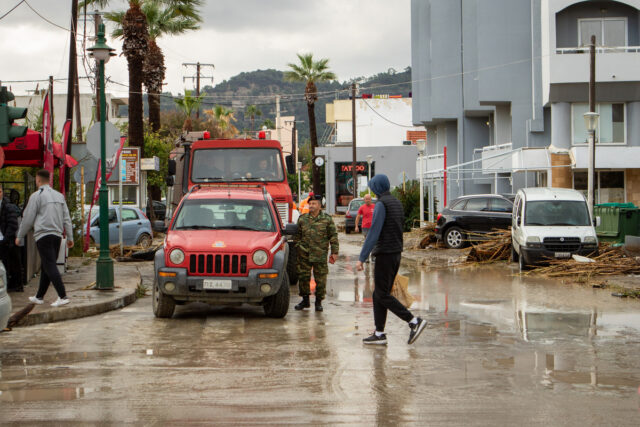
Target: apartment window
pixel 609 186
pixel 611 126
pixel 609 32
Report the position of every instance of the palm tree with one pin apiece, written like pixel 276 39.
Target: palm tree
pixel 163 18
pixel 223 117
pixel 188 104
pixel 252 111
pixel 269 124
pixel 310 72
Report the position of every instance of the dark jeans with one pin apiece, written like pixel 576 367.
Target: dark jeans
pixel 12 260
pixel 384 274
pixel 48 248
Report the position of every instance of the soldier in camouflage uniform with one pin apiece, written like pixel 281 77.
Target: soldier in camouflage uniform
pixel 316 232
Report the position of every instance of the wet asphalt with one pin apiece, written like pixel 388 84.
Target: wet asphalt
pixel 499 350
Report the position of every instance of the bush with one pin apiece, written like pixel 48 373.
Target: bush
pixel 410 198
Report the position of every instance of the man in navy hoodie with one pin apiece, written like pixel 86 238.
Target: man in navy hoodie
pixel 385 242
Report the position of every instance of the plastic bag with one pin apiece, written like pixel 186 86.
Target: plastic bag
pixel 400 291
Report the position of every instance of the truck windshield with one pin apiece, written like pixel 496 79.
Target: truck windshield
pixel 227 214
pixel 556 212
pixel 236 164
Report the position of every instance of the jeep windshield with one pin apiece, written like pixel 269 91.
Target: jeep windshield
pixel 237 164
pixel 226 214
pixel 556 212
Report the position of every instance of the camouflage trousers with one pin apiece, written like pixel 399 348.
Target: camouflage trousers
pixel 320 271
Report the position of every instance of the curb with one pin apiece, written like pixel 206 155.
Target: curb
pixel 70 312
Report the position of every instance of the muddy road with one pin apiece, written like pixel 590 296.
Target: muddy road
pixel 499 350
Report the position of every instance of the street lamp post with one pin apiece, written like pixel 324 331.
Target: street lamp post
pixel 421 143
pixel 591 123
pixel 104 266
pixel 369 161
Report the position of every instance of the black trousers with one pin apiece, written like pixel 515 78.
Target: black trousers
pixel 11 259
pixel 48 248
pixel 385 271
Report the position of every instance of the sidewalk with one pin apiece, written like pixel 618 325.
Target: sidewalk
pixel 80 277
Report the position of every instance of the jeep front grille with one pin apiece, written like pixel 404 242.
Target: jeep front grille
pixel 283 210
pixel 219 264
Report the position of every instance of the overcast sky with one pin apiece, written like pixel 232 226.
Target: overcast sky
pixel 360 37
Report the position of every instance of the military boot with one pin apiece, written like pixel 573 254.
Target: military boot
pixel 304 303
pixel 319 305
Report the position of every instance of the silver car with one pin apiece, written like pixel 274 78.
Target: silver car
pixel 5 301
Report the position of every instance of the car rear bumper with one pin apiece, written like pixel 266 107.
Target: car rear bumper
pixel 243 289
pixel 5 311
pixel 540 255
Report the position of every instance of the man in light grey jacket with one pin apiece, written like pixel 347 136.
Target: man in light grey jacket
pixel 48 215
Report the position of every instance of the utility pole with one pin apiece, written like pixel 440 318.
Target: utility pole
pixel 591 179
pixel 71 83
pixel 278 118
pixel 353 145
pixel 197 77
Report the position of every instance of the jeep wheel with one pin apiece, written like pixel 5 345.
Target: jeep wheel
pixel 163 305
pixel 292 265
pixel 454 238
pixel 277 305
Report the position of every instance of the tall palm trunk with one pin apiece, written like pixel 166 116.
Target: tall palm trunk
pixel 154 71
pixel 315 175
pixel 135 32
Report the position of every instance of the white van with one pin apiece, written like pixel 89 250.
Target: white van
pixel 550 223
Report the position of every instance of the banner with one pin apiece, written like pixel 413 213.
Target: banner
pixel 47 130
pixel 66 140
pixel 111 163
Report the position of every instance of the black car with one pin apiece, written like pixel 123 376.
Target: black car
pixel 468 217
pixel 352 212
pixel 159 210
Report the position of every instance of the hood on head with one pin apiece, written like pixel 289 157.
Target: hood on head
pixel 379 184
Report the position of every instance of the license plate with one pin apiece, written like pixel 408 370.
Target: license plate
pixel 217 284
pixel 563 254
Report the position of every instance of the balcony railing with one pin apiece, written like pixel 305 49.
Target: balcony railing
pixel 599 49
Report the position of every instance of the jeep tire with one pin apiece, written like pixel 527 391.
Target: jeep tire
pixel 163 305
pixel 277 305
pixel 292 264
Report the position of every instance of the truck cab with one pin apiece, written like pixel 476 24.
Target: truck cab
pixel 225 245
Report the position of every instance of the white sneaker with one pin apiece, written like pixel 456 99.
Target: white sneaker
pixel 60 301
pixel 36 300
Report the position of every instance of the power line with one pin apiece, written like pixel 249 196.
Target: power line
pixel 12 9
pixel 383 117
pixel 45 19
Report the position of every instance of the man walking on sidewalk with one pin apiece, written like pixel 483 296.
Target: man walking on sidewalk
pixel 385 240
pixel 48 215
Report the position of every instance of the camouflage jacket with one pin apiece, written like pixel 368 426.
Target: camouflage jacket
pixel 315 235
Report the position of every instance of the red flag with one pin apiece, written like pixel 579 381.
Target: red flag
pixel 47 130
pixel 66 137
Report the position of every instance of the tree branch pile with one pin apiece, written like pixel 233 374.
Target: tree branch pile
pixel 495 246
pixel 611 261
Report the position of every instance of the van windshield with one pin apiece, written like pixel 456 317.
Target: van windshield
pixel 556 212
pixel 227 214
pixel 237 164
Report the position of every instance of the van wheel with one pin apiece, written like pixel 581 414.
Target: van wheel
pixel 522 264
pixel 277 305
pixel 454 238
pixel 144 240
pixel 163 305
pixel 514 254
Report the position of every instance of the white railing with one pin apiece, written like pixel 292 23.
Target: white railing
pixel 599 49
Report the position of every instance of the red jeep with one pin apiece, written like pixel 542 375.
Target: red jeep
pixel 225 245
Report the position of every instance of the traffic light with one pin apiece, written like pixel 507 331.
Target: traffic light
pixel 8 132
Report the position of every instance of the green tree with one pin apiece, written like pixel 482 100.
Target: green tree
pixel 163 18
pixel 155 145
pixel 311 72
pixel 410 198
pixel 252 112
pixel 187 105
pixel 222 119
pixel 269 124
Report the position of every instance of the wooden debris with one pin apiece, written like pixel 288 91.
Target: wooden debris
pixel 495 246
pixel 611 261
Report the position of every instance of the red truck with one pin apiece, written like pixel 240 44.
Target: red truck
pixel 199 160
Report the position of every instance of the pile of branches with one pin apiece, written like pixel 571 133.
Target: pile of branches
pixel 429 235
pixel 611 261
pixel 495 246
pixel 133 253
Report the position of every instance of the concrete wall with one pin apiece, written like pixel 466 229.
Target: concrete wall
pixel 391 161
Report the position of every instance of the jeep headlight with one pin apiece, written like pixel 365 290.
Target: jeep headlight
pixel 176 256
pixel 590 240
pixel 260 257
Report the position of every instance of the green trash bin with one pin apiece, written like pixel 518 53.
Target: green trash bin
pixel 617 220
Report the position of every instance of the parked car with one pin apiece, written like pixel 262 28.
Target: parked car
pixel 469 217
pixel 551 223
pixel 159 210
pixel 5 300
pixel 225 245
pixel 136 227
pixel 352 212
